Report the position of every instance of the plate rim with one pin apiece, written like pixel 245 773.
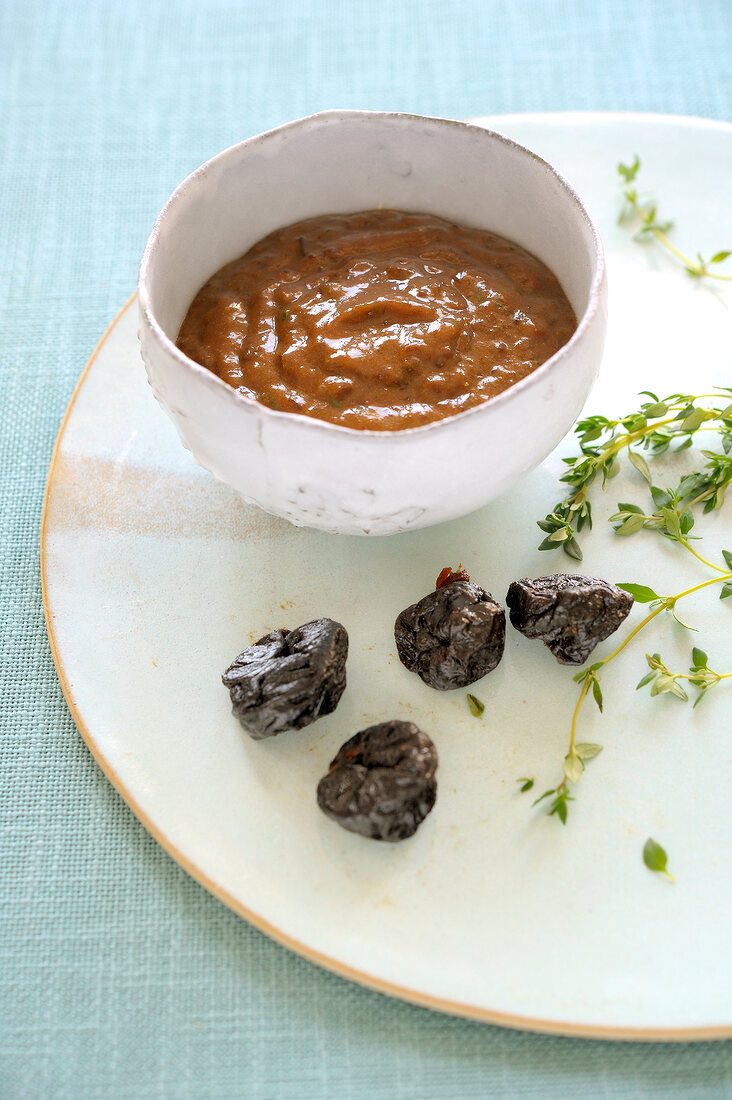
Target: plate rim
pixel 566 1028
pixel 693 121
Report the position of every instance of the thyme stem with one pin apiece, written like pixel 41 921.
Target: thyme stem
pixel 664 604
pixel 575 716
pixel 695 675
pixel 705 561
pixel 698 269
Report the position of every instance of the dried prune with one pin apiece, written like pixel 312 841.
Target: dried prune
pixel 454 635
pixel 570 613
pixel 288 679
pixel 381 783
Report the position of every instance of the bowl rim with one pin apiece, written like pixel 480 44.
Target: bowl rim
pixel 500 400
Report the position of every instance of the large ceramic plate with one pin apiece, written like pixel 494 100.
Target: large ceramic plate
pixel 156 576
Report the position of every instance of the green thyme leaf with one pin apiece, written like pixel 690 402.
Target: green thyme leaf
pixel 573 767
pixel 665 683
pixel 541 797
pixel 597 693
pixel 671 522
pixel 694 420
pixel 661 498
pixel 587 750
pixel 640 592
pixel 571 547
pixel 610 469
pixel 629 171
pixel 686 521
pixel 631 526
pixel 655 858
pixel 640 464
pixel 658 408
pixel 476 707
pixel 559 806
pixel 526 783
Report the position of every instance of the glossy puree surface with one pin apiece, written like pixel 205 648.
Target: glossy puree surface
pixel 377 320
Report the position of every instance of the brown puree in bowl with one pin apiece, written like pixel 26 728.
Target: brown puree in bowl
pixel 379 320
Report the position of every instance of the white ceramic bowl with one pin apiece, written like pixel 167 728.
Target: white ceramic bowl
pixel 341 479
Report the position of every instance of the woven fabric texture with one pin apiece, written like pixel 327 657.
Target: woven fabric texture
pixel 119 976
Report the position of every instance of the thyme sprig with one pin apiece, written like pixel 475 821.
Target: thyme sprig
pixel 662 680
pixel 655 427
pixel 655 858
pixel 651 228
pixel 579 753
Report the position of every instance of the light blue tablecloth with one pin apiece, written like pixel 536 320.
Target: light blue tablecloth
pixel 119 976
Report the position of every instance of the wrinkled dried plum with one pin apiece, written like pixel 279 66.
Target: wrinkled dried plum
pixel 453 636
pixel 570 614
pixel 288 679
pixel 381 784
